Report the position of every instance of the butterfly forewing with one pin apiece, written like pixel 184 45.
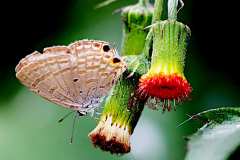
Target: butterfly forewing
pixel 74 76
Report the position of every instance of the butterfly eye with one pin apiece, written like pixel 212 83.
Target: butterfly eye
pixel 116 60
pixel 106 48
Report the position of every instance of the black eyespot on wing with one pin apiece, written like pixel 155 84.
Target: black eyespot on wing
pixel 116 60
pixel 75 79
pixel 106 48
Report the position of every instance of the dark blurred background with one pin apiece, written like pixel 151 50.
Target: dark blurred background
pixel 28 124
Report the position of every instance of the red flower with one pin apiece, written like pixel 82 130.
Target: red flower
pixel 167 88
pixel 165 80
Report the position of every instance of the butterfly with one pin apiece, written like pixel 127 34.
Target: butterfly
pixel 74 76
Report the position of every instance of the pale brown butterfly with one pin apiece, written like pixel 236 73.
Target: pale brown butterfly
pixel 74 76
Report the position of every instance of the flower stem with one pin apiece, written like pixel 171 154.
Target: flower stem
pixel 158 10
pixel 158 14
pixel 172 9
pixel 147 46
pixel 143 2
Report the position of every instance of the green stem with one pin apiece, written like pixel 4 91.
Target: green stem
pixel 158 10
pixel 172 9
pixel 122 104
pixel 143 2
pixel 147 46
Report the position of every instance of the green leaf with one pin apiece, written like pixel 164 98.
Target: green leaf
pixel 218 138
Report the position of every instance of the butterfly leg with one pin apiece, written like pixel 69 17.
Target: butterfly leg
pixel 81 113
pixel 73 128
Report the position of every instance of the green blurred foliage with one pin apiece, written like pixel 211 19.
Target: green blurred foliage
pixel 28 123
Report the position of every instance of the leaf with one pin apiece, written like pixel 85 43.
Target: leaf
pixel 218 138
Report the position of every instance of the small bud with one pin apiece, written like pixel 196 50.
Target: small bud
pixel 135 18
pixel 122 110
pixel 111 136
pixel 165 80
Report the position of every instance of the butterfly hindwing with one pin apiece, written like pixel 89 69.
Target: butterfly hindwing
pixel 73 76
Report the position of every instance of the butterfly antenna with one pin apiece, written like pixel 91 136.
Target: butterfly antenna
pixel 64 117
pixel 115 46
pixel 134 69
pixel 73 127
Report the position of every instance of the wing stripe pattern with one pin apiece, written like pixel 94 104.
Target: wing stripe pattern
pixel 74 76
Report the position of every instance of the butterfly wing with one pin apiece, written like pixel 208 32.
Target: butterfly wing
pixel 96 72
pixel 73 76
pixel 46 75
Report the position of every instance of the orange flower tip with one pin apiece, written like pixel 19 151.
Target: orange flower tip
pixel 111 137
pixel 169 89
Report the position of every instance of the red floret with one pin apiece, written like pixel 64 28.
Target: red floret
pixel 165 87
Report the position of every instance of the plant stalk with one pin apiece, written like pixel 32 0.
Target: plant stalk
pixel 158 14
pixel 172 9
pixel 158 10
pixel 143 2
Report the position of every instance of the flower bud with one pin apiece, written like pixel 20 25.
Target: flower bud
pixel 165 80
pixel 135 18
pixel 122 110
